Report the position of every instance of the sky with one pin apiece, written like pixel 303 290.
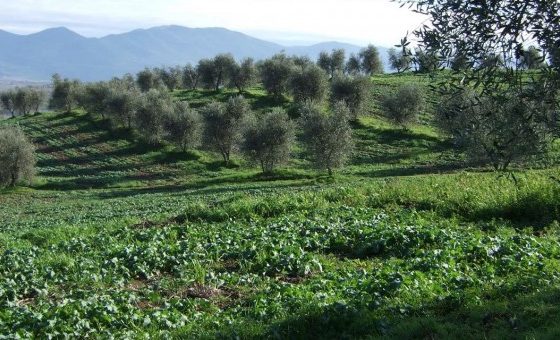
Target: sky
pixel 289 22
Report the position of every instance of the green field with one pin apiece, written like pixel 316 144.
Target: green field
pixel 116 239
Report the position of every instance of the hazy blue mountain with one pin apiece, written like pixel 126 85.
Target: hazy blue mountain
pixel 59 50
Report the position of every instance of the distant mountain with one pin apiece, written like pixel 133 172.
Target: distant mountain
pixel 59 50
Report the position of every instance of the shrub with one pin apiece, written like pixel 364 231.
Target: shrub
pixel 17 157
pixel 269 140
pixel 327 135
pixel 223 125
pixel 183 126
pixel 403 106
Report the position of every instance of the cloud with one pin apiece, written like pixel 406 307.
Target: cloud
pixel 378 21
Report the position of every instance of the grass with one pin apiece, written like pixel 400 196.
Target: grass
pixel 408 241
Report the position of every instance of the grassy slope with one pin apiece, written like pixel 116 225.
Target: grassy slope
pixel 402 243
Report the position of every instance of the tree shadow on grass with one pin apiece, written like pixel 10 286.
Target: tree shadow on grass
pixel 525 315
pixel 221 185
pixel 413 170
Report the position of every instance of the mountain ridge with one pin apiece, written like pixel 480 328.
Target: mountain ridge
pixel 38 55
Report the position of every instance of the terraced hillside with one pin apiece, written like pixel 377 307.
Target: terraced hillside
pixel 116 239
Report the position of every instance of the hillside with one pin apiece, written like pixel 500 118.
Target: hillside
pixel 58 50
pixel 405 242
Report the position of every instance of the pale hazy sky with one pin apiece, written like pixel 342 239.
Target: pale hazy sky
pixel 381 22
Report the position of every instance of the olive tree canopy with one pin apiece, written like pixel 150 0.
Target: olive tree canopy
pixel 17 157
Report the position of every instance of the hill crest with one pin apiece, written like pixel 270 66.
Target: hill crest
pixel 60 50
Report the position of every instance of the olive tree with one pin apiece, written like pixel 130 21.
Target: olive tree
pixel 353 65
pixel 506 97
pixel 17 157
pixel 275 75
pixel 190 77
pixel 327 135
pixel 94 98
pixel 148 79
pixel 531 58
pixel 426 61
pixel 27 100
pixel 36 99
pixel 206 73
pixel 399 60
pixel 223 125
pixel 171 77
pixel 269 140
pixel 332 62
pixel 301 61
pixel 123 105
pixel 351 90
pixel 310 83
pixel 243 75
pixel 153 107
pixel 223 66
pixel 403 106
pixel 370 61
pixel 183 126
pixel 22 102
pixel 8 98
pixel 460 62
pixel 65 94
pixel 496 130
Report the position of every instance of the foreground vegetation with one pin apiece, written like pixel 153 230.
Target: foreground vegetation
pixel 119 238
